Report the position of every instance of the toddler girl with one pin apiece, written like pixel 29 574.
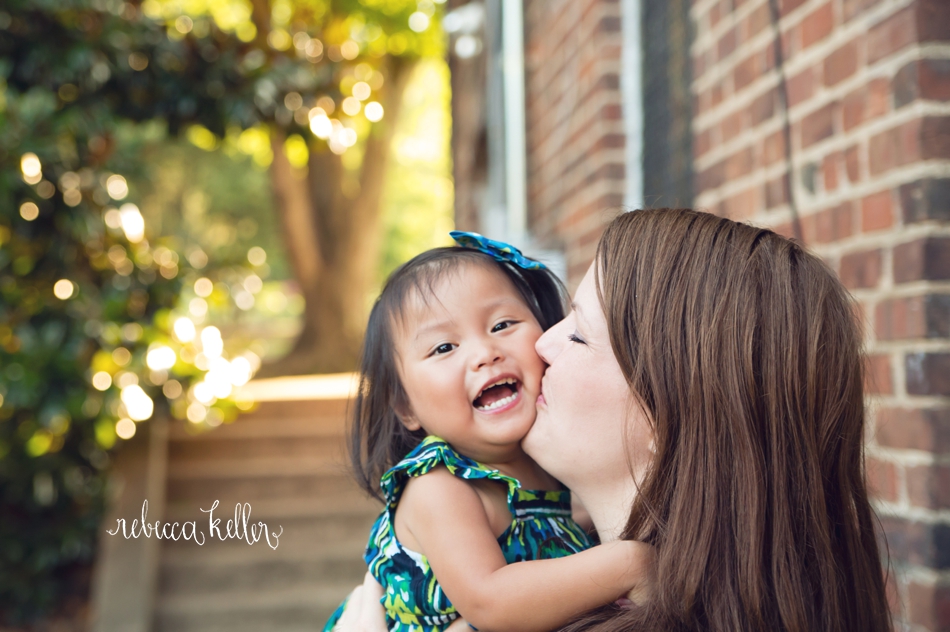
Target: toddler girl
pixel 449 382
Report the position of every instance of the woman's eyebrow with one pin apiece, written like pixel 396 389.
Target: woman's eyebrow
pixel 577 309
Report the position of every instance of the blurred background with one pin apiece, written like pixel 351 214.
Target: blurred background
pixel 199 200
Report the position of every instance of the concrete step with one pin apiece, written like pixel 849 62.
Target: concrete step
pixel 303 607
pixel 339 505
pixel 336 408
pixel 293 547
pixel 263 467
pixel 252 425
pixel 222 448
pixel 260 577
pixel 275 487
pixel 287 460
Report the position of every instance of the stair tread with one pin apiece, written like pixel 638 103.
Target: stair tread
pixel 287 460
pixel 258 467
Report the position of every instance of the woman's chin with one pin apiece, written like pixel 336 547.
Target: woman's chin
pixel 531 444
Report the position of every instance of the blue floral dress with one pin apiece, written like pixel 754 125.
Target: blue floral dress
pixel 541 528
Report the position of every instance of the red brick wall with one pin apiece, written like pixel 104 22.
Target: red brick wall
pixel 575 133
pixel 868 84
pixel 868 116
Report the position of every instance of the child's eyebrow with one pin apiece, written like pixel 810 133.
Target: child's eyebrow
pixel 422 331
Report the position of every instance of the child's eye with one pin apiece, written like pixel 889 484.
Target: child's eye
pixel 575 338
pixel 505 324
pixel 445 347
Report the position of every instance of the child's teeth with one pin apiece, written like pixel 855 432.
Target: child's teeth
pixel 501 402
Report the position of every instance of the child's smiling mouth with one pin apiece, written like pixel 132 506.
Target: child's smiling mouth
pixel 498 394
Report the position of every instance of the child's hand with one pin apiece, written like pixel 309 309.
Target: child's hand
pixel 644 556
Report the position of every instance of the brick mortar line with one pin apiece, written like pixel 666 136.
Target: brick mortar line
pixel 839 143
pixel 584 38
pixel 890 179
pixel 907 457
pixel 732 146
pixel 812 203
pixel 577 92
pixel 884 240
pixel 912 290
pixel 875 403
pixel 568 182
pixel 850 32
pixel 840 34
pixel 568 176
pixel 709 37
pixel 577 120
pixel 786 22
pixel 585 195
pixel 915 345
pixel 923 575
pixel 546 73
pixel 917 514
pixel 885 68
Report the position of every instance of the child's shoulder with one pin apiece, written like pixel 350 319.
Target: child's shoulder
pixel 434 452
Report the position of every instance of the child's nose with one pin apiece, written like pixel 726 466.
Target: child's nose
pixel 486 354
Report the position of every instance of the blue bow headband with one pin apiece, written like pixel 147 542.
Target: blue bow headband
pixel 498 249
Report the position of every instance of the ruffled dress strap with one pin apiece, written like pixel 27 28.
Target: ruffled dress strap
pixel 432 453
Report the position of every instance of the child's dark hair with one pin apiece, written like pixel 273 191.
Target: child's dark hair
pixel 378 439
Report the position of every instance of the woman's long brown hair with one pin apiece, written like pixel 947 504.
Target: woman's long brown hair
pixel 745 352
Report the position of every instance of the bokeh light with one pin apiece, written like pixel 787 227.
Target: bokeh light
pixel 351 106
pixel 137 403
pixel 184 329
pixel 133 224
pixel 211 343
pixel 172 389
pixel 161 358
pixel 196 413
pixel 121 356
pixel 204 287
pixel 418 21
pixel 198 307
pixel 29 211
pixel 117 187
pixel 31 167
pixel 320 123
pixel 361 90
pixel 125 428
pixel 63 289
pixel 257 256
pixel 373 111
pixel 101 381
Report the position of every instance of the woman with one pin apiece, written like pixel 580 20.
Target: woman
pixel 705 395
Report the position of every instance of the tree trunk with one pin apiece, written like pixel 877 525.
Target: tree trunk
pixel 333 241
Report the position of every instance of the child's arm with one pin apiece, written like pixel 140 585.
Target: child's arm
pixel 447 519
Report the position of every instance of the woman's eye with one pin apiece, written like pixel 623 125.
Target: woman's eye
pixel 575 338
pixel 443 348
pixel 505 324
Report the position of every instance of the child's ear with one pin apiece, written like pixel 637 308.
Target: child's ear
pixel 404 413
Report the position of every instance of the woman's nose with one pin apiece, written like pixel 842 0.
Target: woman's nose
pixel 547 345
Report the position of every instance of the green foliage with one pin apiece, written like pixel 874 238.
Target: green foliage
pixel 87 289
